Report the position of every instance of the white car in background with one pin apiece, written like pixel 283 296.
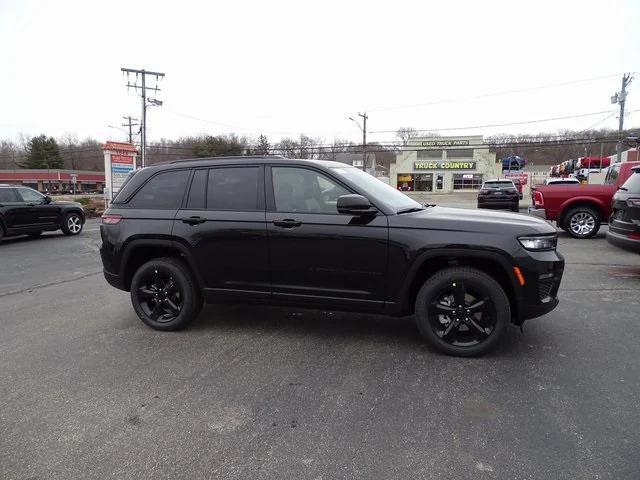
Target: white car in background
pixel 561 181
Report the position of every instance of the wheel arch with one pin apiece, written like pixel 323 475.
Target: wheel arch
pixel 494 263
pixel 575 202
pixel 139 251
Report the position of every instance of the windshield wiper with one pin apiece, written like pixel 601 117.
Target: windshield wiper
pixel 409 210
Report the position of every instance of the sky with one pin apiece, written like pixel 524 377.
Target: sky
pixel 285 68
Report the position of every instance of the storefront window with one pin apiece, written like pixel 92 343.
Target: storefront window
pixel 423 182
pixel 467 181
pixel 460 153
pixel 405 182
pixel 422 154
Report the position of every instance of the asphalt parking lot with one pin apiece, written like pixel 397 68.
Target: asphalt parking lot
pixel 88 391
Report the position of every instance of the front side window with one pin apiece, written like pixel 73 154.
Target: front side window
pixel 304 190
pixel 162 191
pixel 612 175
pixel 30 196
pixel 233 188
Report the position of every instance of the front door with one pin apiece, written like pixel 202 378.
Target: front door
pixel 38 213
pixel 223 219
pixel 319 256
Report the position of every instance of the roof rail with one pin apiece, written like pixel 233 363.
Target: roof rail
pixel 221 157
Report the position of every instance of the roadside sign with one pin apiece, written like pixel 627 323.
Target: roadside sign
pixel 121 166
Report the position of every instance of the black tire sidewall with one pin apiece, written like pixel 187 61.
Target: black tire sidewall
pixel 590 211
pixel 192 300
pixel 482 283
pixel 65 225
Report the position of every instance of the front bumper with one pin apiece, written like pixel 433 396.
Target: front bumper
pixel 543 273
pixel 113 280
pixel 622 241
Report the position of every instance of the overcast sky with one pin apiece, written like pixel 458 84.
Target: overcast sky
pixel 285 68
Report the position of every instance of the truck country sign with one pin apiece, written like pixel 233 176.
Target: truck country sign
pixel 444 165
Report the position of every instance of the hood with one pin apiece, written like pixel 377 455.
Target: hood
pixel 475 220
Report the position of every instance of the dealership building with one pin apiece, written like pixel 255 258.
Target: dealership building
pixel 443 165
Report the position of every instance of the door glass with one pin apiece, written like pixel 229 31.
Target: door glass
pixel 30 196
pixel 198 190
pixel 7 195
pixel 234 188
pixel 163 191
pixel 304 190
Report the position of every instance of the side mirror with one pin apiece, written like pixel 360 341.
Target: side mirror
pixel 47 199
pixel 355 205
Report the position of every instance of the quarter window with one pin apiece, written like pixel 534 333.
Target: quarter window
pixel 233 189
pixel 304 190
pixel 163 191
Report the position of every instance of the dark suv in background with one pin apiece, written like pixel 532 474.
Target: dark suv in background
pixel 624 225
pixel 320 234
pixel 499 193
pixel 25 211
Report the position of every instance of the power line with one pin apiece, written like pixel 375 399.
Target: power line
pixel 525 122
pixel 493 94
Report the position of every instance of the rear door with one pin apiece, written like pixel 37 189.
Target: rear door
pixel 223 222
pixel 13 210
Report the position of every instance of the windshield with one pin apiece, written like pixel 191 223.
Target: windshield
pixel 377 189
pixel 632 185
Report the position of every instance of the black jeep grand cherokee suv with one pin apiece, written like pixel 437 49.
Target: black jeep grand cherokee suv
pixel 322 234
pixel 25 211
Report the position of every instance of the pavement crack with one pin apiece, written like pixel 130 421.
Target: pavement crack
pixel 50 284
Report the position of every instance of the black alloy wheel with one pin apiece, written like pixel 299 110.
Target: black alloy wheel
pixel 164 294
pixel 159 296
pixel 462 311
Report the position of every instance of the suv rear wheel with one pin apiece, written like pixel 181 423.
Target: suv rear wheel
pixel 462 311
pixel 582 222
pixel 164 294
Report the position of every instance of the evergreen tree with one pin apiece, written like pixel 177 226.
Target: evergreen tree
pixel 43 152
pixel 263 147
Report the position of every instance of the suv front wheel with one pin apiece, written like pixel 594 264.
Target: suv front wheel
pixel 164 294
pixel 462 311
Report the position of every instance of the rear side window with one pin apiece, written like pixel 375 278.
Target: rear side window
pixel 162 191
pixel 233 189
pixel 633 183
pixel 8 195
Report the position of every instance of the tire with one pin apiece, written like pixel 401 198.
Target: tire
pixel 160 307
pixel 516 208
pixel 491 315
pixel 72 224
pixel 34 234
pixel 582 222
pixel 1 233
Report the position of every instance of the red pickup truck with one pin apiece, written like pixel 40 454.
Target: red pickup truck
pixel 580 209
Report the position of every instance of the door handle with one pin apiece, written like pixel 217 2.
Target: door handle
pixel 193 220
pixel 287 223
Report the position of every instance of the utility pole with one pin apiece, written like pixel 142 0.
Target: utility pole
pixel 364 140
pixel 620 98
pixel 364 137
pixel 142 75
pixel 130 124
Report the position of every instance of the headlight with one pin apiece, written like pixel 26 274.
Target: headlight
pixel 538 243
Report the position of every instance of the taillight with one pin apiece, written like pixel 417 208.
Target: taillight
pixel 633 202
pixel 538 199
pixel 111 219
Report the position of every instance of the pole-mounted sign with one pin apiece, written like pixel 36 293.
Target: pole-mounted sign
pixel 119 162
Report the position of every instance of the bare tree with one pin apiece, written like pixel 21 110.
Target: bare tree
pixel 405 134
